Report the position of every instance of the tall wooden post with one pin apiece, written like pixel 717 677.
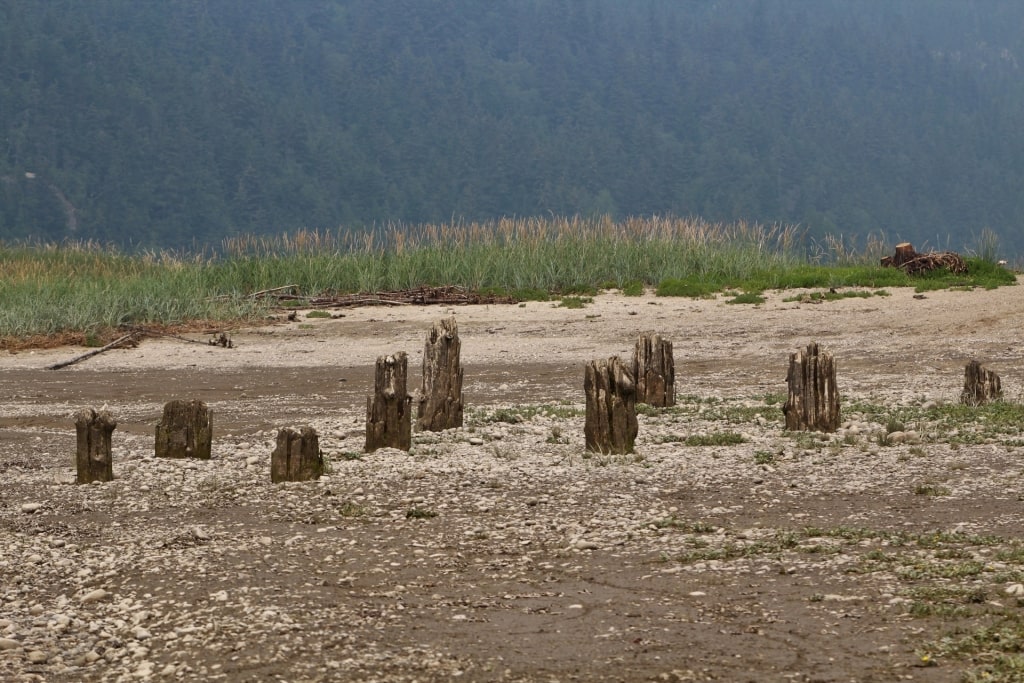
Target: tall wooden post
pixel 655 371
pixel 611 425
pixel 186 431
pixel 93 459
pixel 389 410
pixel 981 385
pixel 297 456
pixel 440 401
pixel 813 403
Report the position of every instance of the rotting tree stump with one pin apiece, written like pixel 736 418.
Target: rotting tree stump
pixel 981 385
pixel 654 371
pixel 185 431
pixel 813 403
pixel 611 425
pixel 389 410
pixel 440 402
pixel 93 459
pixel 297 456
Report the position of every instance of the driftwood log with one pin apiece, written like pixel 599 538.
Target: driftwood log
pixel 813 403
pixel 93 460
pixel 611 425
pixel 389 410
pixel 297 456
pixel 981 385
pixel 128 340
pixel 440 401
pixel 654 371
pixel 185 431
pixel 914 263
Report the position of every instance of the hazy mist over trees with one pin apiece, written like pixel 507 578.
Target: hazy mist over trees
pixel 179 122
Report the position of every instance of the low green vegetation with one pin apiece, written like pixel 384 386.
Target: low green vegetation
pixel 575 301
pixel 836 295
pixel 521 413
pixel 84 289
pixel 747 298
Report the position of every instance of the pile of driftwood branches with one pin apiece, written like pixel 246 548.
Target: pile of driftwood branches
pixel 421 296
pixel 915 263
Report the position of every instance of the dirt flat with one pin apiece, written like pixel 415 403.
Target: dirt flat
pixel 502 550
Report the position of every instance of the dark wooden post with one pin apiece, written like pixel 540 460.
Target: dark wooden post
pixel 297 456
pixel 186 431
pixel 389 410
pixel 92 458
pixel 655 371
pixel 440 401
pixel 611 425
pixel 813 403
pixel 981 385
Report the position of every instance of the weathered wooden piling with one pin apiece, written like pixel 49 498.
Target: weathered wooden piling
pixel 981 385
pixel 611 425
pixel 440 401
pixel 185 431
pixel 93 459
pixel 389 410
pixel 813 403
pixel 297 456
pixel 654 371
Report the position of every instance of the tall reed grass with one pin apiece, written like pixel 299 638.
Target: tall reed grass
pixel 48 289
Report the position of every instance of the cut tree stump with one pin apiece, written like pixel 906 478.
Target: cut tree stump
pixel 654 371
pixel 93 459
pixel 611 425
pixel 185 431
pixel 440 402
pixel 981 385
pixel 813 403
pixel 297 456
pixel 915 263
pixel 389 410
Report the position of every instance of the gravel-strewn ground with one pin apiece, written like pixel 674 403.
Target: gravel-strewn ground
pixel 502 551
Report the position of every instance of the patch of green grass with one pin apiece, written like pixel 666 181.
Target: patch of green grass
pixel 575 302
pixel 523 413
pixel 318 314
pixel 747 298
pixel 633 288
pixel 835 295
pixel 350 509
pixel 349 455
pixel 695 289
pixel 928 489
pixel 718 439
pixel 764 457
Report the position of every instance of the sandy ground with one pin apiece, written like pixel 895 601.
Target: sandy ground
pixel 536 561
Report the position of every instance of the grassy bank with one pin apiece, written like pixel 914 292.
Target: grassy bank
pixel 86 291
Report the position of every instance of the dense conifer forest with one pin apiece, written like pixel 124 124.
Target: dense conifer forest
pixel 181 122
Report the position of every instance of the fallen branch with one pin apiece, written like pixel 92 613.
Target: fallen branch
pixel 128 338
pixel 263 293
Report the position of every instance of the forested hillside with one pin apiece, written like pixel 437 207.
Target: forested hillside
pixel 179 122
